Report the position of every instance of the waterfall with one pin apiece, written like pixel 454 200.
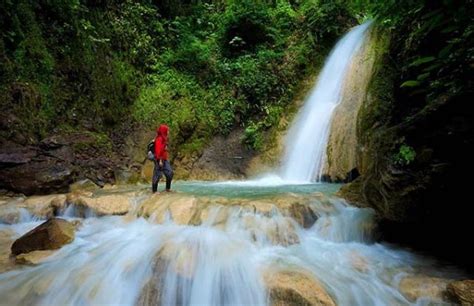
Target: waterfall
pixel 308 136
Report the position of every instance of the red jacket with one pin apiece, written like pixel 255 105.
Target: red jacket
pixel 161 142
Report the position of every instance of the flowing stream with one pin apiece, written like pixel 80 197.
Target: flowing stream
pixel 225 260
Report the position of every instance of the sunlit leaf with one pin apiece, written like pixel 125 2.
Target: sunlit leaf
pixel 410 83
pixel 422 60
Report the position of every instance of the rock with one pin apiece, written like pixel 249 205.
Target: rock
pixel 358 262
pixel 109 186
pixel 45 206
pixel 16 155
pixel 126 176
pixel 295 288
pixel 415 287
pixel 462 292
pixel 53 142
pixel 343 143
pixel 297 207
pixel 83 185
pixel 150 294
pixel 147 171
pixel 6 240
pixel 50 235
pixel 352 175
pixel 33 258
pixel 42 175
pixel 182 209
pixel 111 204
pixel 225 157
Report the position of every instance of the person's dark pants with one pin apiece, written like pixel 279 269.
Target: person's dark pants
pixel 158 173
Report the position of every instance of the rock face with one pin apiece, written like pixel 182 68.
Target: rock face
pixel 226 157
pixel 50 165
pixel 295 288
pixel 462 292
pixel 413 194
pixel 343 144
pixel 50 235
pixel 32 169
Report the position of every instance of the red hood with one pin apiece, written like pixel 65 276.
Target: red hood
pixel 162 131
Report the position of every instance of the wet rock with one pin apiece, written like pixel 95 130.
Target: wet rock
pixel 110 204
pixel 45 206
pixel 343 143
pixel 462 292
pixel 297 207
pixel 181 208
pixel 150 294
pixel 358 262
pixel 33 258
pixel 83 185
pixel 415 287
pixel 352 175
pixel 295 288
pixel 50 235
pixel 6 240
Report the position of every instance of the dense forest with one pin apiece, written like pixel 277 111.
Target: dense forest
pixel 200 67
pixel 80 78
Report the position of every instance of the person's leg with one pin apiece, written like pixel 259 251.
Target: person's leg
pixel 156 176
pixel 168 174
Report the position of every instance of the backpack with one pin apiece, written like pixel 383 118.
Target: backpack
pixel 151 150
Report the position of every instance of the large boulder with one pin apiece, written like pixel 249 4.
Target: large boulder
pixel 109 204
pixel 462 292
pixel 34 169
pixel 182 209
pixel 288 288
pixel 50 235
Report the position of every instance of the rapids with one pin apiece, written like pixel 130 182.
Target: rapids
pixel 225 258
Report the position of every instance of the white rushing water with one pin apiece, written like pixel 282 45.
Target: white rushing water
pixel 223 261
pixel 308 136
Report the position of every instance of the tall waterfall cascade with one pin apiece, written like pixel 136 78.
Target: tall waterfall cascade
pixel 308 136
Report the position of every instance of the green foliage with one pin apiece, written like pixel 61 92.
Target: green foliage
pixel 410 83
pixel 433 40
pixel 322 18
pixel 202 68
pixel 245 26
pixel 253 137
pixel 405 155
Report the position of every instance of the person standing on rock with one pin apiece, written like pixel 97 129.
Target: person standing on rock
pixel 162 165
